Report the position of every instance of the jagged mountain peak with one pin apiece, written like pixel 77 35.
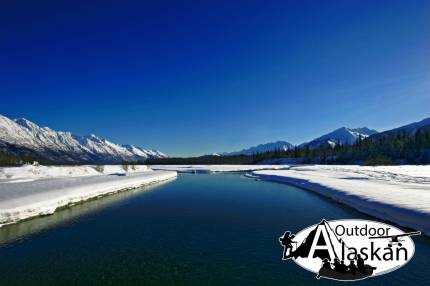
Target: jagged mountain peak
pixel 343 135
pixel 365 130
pixel 94 138
pixel 27 123
pixel 63 146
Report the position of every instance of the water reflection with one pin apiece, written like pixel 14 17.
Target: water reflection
pixel 20 231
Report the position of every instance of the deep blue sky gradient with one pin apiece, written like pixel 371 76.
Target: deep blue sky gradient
pixel 195 77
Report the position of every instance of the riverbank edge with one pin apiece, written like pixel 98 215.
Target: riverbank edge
pixel 403 217
pixel 209 169
pixel 17 216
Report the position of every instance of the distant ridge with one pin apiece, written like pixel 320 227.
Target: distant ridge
pixel 409 128
pixel 343 136
pixel 279 145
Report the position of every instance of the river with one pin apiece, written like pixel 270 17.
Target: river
pixel 201 229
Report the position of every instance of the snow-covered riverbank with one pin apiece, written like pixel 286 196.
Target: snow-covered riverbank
pixel 400 194
pixel 34 172
pixel 216 168
pixel 24 197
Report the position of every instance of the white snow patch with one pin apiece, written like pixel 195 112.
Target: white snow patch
pixel 26 199
pixel 28 172
pixel 400 194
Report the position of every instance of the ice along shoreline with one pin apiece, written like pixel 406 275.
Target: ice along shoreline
pixel 399 194
pixel 35 190
pixel 23 200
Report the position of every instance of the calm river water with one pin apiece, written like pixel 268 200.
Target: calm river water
pixel 201 229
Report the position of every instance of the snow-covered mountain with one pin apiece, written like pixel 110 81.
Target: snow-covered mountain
pixel 279 145
pixel 215 155
pixel 21 136
pixel 343 135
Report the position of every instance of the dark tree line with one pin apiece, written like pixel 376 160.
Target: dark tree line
pixel 13 160
pixel 383 149
pixel 204 160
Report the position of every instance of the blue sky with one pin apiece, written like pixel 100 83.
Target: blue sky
pixel 196 77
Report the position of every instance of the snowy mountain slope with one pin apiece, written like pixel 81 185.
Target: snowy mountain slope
pixel 409 128
pixel 279 145
pixel 343 135
pixel 23 135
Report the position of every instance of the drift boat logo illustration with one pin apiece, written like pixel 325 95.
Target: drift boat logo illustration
pixel 349 250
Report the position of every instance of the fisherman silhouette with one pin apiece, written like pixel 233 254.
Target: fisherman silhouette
pixel 336 265
pixel 351 267
pixel 326 263
pixel 286 241
pixel 360 262
pixel 342 267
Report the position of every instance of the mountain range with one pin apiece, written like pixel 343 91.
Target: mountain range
pixel 278 145
pixel 23 137
pixel 343 136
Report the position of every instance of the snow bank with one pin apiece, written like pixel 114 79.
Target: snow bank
pixel 215 168
pixel 23 200
pixel 33 172
pixel 118 169
pixel 400 194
